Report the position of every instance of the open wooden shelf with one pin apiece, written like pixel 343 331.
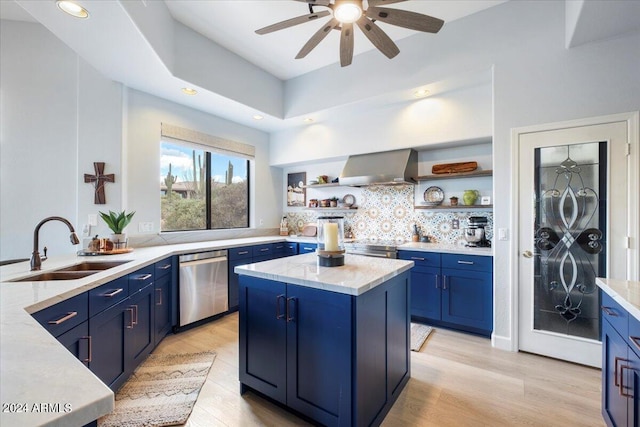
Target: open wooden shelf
pixel 352 208
pixel 330 184
pixel 453 208
pixel 455 175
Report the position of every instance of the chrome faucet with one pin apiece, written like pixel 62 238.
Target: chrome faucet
pixel 36 261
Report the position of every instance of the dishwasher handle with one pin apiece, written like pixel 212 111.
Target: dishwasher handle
pixel 202 256
pixel 203 261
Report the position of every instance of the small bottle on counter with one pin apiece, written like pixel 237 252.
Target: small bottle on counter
pixel 284 227
pixel 416 234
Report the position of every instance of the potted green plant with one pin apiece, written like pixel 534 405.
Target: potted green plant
pixel 116 223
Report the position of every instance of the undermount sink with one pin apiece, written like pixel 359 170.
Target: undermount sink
pixel 56 275
pixel 93 266
pixel 73 272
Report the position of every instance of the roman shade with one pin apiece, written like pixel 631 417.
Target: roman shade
pixel 209 142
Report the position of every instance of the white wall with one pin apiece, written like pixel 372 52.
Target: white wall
pixel 450 117
pixel 145 113
pixel 57 116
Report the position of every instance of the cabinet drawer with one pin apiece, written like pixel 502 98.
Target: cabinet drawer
pixel 304 248
pixel 616 315
pixel 163 267
pixel 262 250
pixel 107 295
pixel 239 253
pixel 467 262
pixel 65 315
pixel 421 259
pixel 290 248
pixel 141 279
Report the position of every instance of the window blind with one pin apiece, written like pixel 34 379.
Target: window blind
pixel 208 142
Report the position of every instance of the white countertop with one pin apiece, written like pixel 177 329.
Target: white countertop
pixel 444 248
pixel 358 274
pixel 36 368
pixel 624 292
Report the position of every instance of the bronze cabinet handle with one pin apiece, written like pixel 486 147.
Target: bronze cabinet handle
pixel 165 267
pixel 278 314
pixel 622 386
pixel 437 278
pixel 89 348
pixel 64 318
pixel 636 341
pixel 465 262
pixel 290 318
pixel 444 282
pixel 130 326
pixel 160 299
pixel 113 293
pixel 143 277
pixel 608 311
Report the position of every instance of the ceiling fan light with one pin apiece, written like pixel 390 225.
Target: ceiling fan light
pixel 347 12
pixel 72 9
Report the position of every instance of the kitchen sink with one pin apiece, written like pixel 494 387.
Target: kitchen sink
pixel 56 275
pixel 76 271
pixel 93 266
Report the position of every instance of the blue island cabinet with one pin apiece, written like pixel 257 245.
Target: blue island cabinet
pixel 338 359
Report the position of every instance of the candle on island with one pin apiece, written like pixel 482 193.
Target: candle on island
pixel 331 237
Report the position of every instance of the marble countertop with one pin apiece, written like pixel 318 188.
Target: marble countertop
pixel 36 368
pixel 624 292
pixel 445 248
pixel 358 274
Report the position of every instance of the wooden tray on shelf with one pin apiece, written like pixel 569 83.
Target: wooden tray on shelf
pixel 111 252
pixel 454 168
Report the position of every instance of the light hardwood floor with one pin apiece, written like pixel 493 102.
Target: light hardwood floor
pixel 456 380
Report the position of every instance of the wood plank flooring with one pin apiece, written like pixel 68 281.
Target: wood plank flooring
pixel 456 380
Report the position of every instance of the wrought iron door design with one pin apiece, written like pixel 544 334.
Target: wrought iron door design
pixel 569 237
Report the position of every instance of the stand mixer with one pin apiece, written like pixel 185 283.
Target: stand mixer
pixel 475 233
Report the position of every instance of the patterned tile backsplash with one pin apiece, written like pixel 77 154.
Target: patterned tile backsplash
pixel 387 213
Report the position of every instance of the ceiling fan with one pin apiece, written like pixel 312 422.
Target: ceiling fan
pixel 347 12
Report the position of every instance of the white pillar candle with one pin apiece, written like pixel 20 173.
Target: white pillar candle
pixel 331 237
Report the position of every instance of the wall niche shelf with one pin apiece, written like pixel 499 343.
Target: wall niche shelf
pixel 330 184
pixel 473 174
pixel 454 208
pixel 353 208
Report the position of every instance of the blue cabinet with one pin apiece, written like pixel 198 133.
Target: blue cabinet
pixel 78 342
pixel 250 254
pixel 621 365
pixel 452 290
pixel 164 276
pixel 141 338
pixel 338 359
pixel 109 330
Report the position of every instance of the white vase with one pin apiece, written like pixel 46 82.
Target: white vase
pixel 119 240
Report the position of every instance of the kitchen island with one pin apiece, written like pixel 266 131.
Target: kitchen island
pixel 329 343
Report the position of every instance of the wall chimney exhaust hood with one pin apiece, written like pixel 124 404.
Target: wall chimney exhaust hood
pixel 395 167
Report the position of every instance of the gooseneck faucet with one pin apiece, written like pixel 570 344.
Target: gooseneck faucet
pixel 36 261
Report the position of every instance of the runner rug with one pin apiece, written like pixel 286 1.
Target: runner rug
pixel 419 334
pixel 161 391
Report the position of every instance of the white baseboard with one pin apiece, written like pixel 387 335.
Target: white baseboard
pixel 502 343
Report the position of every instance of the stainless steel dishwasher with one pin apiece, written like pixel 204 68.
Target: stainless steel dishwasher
pixel 203 286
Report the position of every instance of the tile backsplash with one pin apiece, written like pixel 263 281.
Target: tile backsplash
pixel 387 213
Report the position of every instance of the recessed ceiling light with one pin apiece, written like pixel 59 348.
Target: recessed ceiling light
pixel 72 9
pixel 258 117
pixel 308 120
pixel 189 91
pixel 420 93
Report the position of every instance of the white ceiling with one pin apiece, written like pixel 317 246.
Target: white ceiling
pixel 232 24
pixel 138 33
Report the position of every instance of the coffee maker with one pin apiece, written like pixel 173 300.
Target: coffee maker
pixel 475 234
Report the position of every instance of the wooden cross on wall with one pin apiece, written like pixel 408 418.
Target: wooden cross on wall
pixel 98 180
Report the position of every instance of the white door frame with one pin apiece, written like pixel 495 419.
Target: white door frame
pixel 633 254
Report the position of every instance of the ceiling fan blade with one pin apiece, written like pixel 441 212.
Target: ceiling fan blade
pixel 320 2
pixel 346 45
pixel 383 2
pixel 317 38
pixel 406 19
pixel 379 38
pixel 293 21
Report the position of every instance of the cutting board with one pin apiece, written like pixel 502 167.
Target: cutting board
pixel 309 230
pixel 454 167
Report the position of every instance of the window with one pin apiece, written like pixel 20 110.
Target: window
pixel 202 187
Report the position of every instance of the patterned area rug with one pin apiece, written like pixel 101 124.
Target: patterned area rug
pixel 419 334
pixel 161 391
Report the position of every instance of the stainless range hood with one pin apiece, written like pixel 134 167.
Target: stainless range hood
pixel 395 167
